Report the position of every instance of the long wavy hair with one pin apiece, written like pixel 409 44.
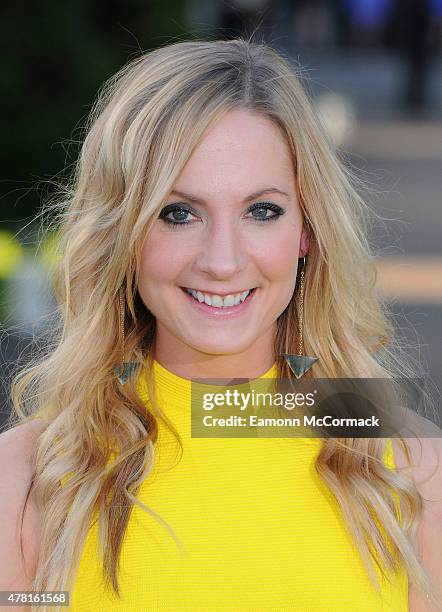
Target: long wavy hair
pixel 98 437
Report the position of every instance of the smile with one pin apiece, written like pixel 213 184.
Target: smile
pixel 218 301
pixel 219 307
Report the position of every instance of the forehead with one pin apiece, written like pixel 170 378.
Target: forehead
pixel 240 147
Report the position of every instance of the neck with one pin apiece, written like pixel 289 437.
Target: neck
pixel 187 362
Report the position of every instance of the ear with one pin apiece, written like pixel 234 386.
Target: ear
pixel 304 242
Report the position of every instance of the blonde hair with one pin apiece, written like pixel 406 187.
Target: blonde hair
pixel 145 123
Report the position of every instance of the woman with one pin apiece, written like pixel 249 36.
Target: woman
pixel 210 230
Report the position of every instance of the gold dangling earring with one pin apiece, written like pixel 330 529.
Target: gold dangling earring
pixel 124 370
pixel 299 364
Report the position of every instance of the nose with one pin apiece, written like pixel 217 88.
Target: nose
pixel 223 253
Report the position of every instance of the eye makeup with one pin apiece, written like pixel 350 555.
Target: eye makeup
pixel 183 209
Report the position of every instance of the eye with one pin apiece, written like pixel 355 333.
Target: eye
pixel 179 214
pixel 262 208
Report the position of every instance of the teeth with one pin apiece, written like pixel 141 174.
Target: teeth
pixel 217 301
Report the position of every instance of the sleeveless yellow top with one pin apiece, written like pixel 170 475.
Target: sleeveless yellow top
pixel 259 530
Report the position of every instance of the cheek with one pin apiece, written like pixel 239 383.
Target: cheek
pixel 154 268
pixel 161 260
pixel 279 258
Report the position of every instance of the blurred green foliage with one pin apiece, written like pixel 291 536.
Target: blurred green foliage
pixel 11 256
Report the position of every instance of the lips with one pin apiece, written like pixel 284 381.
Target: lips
pixel 221 310
pixel 217 300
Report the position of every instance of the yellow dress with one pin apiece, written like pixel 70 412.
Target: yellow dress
pixel 259 530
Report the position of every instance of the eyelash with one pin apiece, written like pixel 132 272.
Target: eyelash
pixel 260 205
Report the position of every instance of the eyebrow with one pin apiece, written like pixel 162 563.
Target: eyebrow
pixel 249 198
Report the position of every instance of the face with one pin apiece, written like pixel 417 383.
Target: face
pixel 231 230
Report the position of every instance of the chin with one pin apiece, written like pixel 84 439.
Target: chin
pixel 223 347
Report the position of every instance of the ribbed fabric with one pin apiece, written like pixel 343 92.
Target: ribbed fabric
pixel 259 529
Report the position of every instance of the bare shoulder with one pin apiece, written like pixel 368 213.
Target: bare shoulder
pixel 426 472
pixel 16 472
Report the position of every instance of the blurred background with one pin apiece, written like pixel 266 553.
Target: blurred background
pixel 372 67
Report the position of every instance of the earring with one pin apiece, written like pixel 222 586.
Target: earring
pixel 299 364
pixel 125 370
